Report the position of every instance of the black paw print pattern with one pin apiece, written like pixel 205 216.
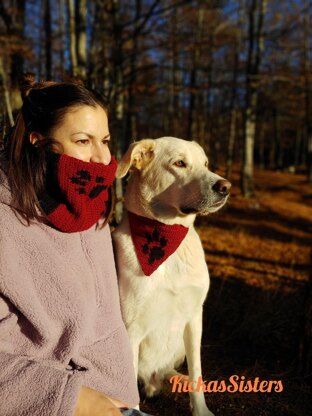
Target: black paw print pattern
pixel 83 178
pixel 154 246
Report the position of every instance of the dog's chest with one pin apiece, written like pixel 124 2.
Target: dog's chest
pixel 186 268
pixel 177 288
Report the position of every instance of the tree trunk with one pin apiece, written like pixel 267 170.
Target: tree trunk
pixel 278 142
pixel 255 51
pixel 81 36
pixel 62 34
pixel 130 114
pixel 231 143
pixel 117 96
pixel 48 39
pixel 209 98
pixel 72 37
pixel 261 146
pixel 193 75
pixel 173 105
pixel 233 99
pixel 18 30
pixel 250 129
pixel 177 74
pixel 15 27
pixel 6 92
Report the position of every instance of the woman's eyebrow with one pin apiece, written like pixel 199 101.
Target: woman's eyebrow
pixel 90 135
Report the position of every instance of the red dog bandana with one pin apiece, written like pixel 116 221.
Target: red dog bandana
pixel 154 241
pixel 77 192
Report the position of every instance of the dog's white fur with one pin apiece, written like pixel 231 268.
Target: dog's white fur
pixel 163 312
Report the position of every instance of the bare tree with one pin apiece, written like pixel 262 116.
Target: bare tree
pixel 256 13
pixel 48 38
pixel 81 29
pixel 6 92
pixel 72 37
pixel 233 98
pixel 196 53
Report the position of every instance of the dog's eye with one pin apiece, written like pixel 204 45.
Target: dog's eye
pixel 180 164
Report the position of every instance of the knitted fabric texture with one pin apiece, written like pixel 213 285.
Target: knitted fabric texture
pixel 154 241
pixel 77 192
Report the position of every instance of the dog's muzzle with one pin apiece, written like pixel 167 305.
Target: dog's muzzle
pixel 208 204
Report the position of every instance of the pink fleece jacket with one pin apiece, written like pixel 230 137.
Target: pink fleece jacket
pixel 60 318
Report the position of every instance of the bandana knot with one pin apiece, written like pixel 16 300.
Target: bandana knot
pixel 154 241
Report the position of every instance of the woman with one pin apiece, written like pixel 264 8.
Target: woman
pixel 64 349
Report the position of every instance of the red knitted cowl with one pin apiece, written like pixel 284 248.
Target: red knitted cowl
pixel 76 192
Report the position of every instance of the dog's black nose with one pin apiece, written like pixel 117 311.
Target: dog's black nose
pixel 222 187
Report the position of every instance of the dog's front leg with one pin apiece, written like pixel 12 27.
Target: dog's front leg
pixel 135 338
pixel 192 342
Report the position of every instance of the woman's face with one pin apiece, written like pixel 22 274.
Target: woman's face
pixel 84 134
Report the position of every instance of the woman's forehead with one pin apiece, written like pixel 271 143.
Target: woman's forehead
pixel 85 119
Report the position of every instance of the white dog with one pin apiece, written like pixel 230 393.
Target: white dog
pixel 163 276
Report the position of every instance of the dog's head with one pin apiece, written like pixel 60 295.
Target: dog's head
pixel 170 177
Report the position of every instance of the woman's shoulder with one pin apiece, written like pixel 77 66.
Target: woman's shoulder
pixel 10 220
pixel 5 193
pixel 6 205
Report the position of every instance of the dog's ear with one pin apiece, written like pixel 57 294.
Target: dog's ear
pixel 138 155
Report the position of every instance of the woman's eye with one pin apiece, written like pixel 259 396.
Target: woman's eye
pixel 180 163
pixel 106 142
pixel 206 164
pixel 83 141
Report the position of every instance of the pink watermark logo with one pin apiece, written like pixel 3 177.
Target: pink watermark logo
pixel 233 384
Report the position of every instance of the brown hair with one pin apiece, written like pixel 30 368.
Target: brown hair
pixel 44 106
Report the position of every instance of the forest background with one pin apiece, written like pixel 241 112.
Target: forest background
pixel 234 75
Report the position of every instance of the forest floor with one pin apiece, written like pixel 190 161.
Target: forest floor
pixel 259 257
